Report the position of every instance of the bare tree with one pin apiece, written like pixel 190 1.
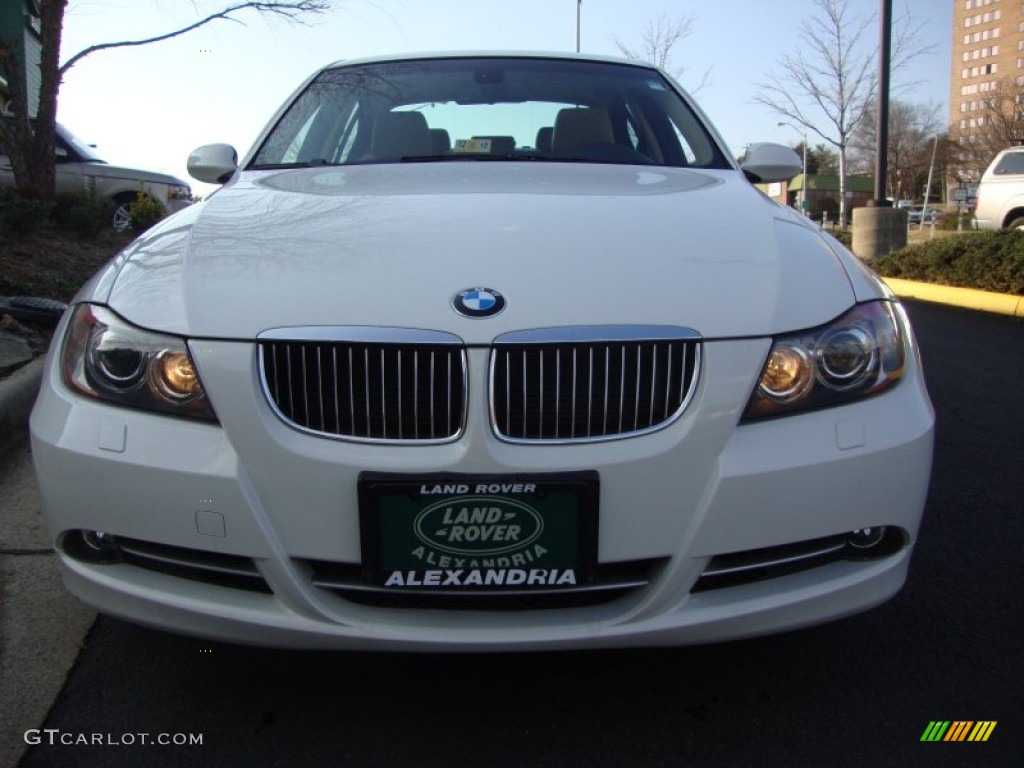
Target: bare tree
pixel 31 148
pixel 830 84
pixel 30 143
pixel 659 37
pixel 912 132
pixel 996 123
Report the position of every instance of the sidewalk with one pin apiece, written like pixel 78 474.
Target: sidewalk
pixel 41 626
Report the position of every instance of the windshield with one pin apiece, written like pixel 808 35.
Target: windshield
pixel 507 109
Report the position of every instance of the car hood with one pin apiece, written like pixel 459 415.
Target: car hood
pixel 391 245
pixel 106 170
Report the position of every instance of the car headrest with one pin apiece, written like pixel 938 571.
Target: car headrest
pixel 400 134
pixel 440 141
pixel 576 127
pixel 543 142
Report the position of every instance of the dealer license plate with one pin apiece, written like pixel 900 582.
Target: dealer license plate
pixel 458 533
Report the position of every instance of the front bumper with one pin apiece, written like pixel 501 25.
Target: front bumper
pixel 282 500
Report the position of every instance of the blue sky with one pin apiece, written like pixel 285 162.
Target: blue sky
pixel 150 106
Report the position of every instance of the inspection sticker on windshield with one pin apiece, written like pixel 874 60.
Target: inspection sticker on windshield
pixel 467 532
pixel 478 146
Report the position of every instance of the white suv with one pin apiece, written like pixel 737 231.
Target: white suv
pixel 1001 192
pixel 80 169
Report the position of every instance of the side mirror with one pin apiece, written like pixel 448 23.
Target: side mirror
pixel 213 163
pixel 765 163
pixel 61 154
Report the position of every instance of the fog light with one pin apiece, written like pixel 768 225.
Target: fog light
pixel 91 547
pixel 98 540
pixel 866 538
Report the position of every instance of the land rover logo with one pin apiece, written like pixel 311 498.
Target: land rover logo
pixel 478 302
pixel 478 526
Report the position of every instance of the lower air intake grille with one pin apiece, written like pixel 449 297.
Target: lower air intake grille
pixel 613 580
pixel 233 571
pixel 585 390
pixel 367 390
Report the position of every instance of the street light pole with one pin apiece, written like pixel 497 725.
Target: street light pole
pixel 579 4
pixel 928 188
pixel 884 67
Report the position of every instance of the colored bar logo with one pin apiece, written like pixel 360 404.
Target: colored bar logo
pixel 958 730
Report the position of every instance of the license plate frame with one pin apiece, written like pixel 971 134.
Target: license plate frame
pixel 529 532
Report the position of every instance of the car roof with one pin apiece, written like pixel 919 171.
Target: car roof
pixel 428 55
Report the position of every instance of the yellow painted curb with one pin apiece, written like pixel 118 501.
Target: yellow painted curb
pixel 969 298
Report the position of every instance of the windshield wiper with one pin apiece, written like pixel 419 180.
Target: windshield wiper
pixel 319 162
pixel 502 156
pixel 507 157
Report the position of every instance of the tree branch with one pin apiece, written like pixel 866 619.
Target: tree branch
pixel 288 10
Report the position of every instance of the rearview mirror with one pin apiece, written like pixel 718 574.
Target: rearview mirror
pixel 213 163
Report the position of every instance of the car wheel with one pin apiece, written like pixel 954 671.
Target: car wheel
pixel 1017 223
pixel 122 218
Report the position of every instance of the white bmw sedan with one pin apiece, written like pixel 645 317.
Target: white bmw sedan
pixel 484 352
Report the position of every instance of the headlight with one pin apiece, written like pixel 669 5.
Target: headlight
pixel 179 192
pixel 858 355
pixel 105 358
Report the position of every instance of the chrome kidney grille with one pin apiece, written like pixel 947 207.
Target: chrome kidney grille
pixel 590 384
pixel 403 386
pixel 557 385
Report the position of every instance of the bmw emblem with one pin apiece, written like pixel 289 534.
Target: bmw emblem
pixel 478 302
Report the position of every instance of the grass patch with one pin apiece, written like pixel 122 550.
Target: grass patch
pixel 989 261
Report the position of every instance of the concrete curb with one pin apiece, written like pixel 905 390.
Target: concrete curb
pixel 968 298
pixel 17 396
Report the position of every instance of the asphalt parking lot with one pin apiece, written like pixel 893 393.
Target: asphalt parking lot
pixel 857 692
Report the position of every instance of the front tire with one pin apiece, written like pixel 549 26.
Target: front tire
pixel 121 220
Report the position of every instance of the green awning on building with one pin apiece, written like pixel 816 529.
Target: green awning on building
pixel 826 183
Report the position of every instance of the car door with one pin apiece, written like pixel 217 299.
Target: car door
pixel 69 173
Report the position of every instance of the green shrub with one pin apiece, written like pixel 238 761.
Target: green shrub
pixel 989 261
pixel 844 236
pixel 21 211
pixel 82 213
pixel 948 221
pixel 145 212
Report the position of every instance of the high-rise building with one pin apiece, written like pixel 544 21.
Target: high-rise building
pixel 987 74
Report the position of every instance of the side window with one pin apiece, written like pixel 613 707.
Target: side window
pixel 349 137
pixel 62 151
pixel 291 154
pixel 684 145
pixel 631 134
pixel 640 134
pixel 1012 162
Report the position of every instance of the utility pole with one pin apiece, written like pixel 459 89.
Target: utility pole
pixel 878 228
